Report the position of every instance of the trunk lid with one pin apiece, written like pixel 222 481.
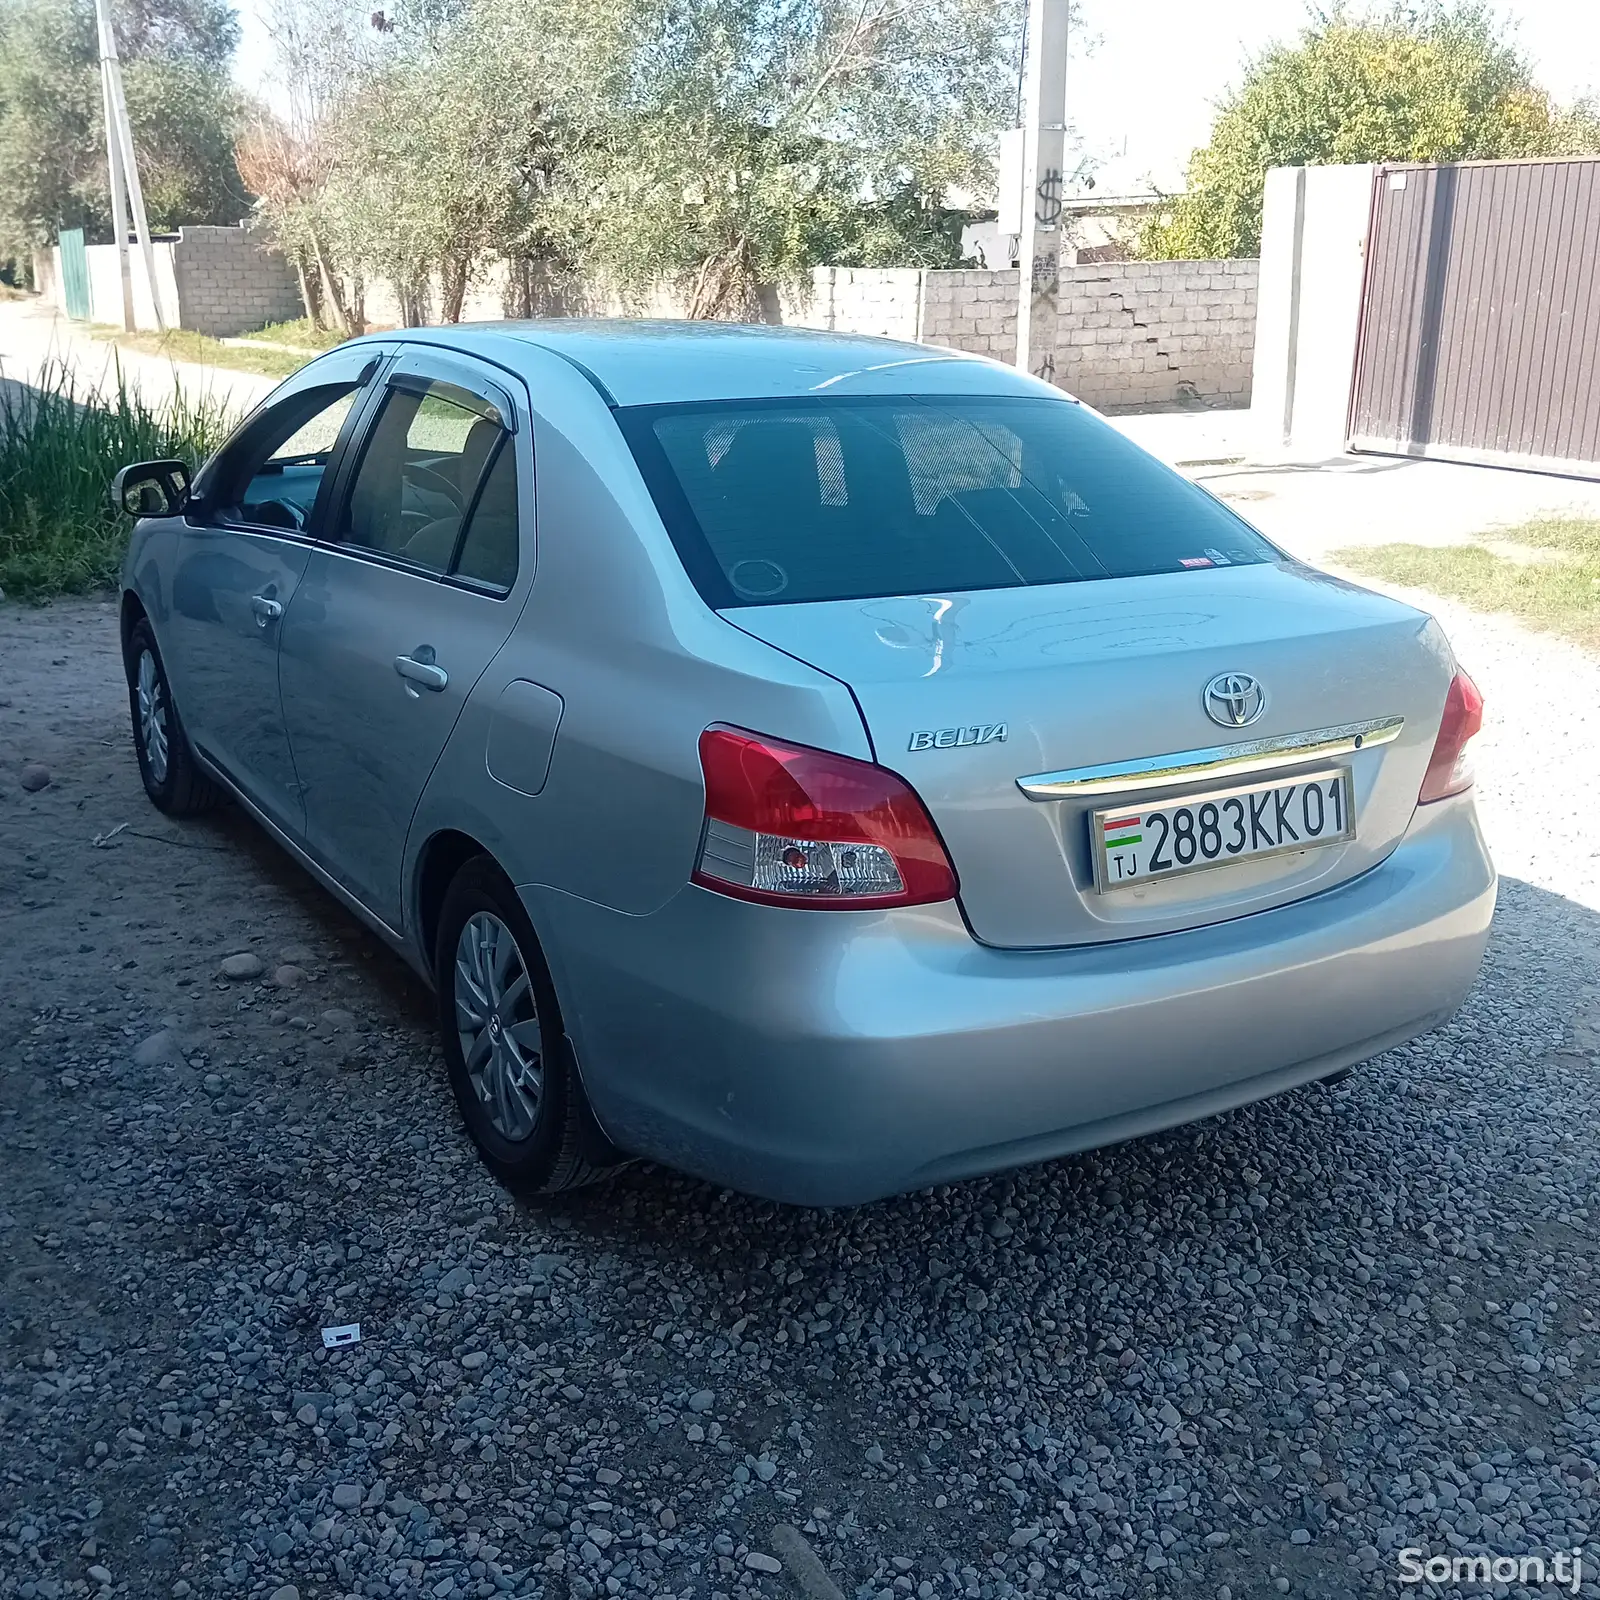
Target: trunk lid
pixel 1084 674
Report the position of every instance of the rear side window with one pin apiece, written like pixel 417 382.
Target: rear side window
pixel 489 550
pixel 437 487
pixel 774 502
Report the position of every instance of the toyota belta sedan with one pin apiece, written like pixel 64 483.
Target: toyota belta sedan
pixel 826 765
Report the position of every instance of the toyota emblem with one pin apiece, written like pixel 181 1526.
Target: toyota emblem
pixel 1234 699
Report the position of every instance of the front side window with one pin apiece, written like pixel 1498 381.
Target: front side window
pixel 436 487
pixel 770 502
pixel 272 476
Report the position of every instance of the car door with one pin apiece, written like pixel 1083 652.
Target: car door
pixel 422 567
pixel 246 540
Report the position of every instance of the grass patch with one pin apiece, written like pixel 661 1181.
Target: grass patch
pixel 302 333
pixel 58 533
pixel 1545 573
pixel 183 344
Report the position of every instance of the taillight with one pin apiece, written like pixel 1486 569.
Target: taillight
pixel 792 826
pixel 1450 769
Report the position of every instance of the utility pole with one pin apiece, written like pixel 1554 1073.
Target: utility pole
pixel 1044 129
pixel 119 153
pixel 119 204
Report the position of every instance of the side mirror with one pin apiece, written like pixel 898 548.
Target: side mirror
pixel 151 488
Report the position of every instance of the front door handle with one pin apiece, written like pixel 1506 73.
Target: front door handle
pixel 266 609
pixel 422 673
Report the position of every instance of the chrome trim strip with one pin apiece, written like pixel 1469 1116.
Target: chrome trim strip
pixel 1220 761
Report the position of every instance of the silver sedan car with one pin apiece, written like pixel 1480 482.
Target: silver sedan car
pixel 826 765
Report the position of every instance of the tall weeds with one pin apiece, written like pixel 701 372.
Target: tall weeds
pixel 58 533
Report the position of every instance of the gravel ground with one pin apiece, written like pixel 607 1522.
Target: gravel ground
pixel 1255 1357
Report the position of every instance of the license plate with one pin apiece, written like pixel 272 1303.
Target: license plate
pixel 1191 833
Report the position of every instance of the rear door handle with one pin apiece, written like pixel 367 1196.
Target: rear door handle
pixel 266 609
pixel 422 673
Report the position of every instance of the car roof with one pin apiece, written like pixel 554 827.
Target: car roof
pixel 637 362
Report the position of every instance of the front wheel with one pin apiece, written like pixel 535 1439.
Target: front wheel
pixel 511 1068
pixel 172 777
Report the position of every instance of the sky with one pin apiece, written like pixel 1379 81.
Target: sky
pixel 1144 76
pixel 1150 78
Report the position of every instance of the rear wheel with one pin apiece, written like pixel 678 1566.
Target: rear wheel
pixel 172 777
pixel 510 1064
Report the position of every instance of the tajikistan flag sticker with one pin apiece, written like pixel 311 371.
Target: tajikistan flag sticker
pixel 1120 831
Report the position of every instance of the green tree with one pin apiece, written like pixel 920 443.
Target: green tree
pixel 726 145
pixel 1420 82
pixel 323 51
pixel 52 134
pixel 445 158
pixel 717 147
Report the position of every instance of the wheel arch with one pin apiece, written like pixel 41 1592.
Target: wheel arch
pixel 133 613
pixel 439 860
pixel 443 855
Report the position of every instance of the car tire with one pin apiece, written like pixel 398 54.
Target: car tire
pixel 511 1065
pixel 172 777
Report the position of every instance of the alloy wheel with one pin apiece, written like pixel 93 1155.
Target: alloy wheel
pixel 497 1023
pixel 152 715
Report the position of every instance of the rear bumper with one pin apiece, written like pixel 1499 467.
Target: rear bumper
pixel 829 1058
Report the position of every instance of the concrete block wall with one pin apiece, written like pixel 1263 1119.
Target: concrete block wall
pixel 852 300
pixel 883 301
pixel 229 281
pixel 488 295
pixel 972 309
pixel 1117 334
pixel 220 281
pixel 484 301
pixel 1123 333
pixel 1156 332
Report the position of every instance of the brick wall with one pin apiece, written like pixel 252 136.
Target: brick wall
pixel 230 282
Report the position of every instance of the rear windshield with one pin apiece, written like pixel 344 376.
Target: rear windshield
pixel 769 503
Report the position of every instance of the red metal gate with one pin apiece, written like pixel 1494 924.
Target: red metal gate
pixel 1481 317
